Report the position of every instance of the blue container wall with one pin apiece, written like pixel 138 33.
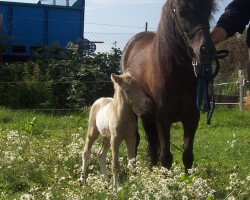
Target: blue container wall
pixel 6 26
pixel 65 25
pixel 27 26
pixel 31 25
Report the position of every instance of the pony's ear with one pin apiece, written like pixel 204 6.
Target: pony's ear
pixel 116 79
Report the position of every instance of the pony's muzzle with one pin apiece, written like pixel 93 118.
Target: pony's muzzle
pixel 207 53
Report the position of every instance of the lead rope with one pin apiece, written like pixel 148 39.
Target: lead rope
pixel 205 85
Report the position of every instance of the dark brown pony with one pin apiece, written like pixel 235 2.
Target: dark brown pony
pixel 163 62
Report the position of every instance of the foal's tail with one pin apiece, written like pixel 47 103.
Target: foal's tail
pixel 153 141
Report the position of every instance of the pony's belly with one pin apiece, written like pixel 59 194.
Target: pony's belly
pixel 102 121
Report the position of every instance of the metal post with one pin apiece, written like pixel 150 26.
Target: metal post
pixel 241 90
pixel 248 65
pixel 146 26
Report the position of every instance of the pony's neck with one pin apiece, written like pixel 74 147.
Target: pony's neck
pixel 168 44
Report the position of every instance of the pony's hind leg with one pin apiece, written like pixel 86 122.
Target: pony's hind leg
pixel 92 135
pixel 137 136
pixel 102 154
pixel 189 133
pixel 153 141
pixel 137 142
pixel 164 137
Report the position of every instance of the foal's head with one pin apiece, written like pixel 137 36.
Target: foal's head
pixel 191 18
pixel 132 93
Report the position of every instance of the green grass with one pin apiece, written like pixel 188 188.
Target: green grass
pixel 41 156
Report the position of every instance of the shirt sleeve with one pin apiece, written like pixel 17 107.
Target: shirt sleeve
pixel 236 17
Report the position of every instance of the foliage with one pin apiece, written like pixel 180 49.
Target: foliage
pixel 236 60
pixel 44 162
pixel 73 81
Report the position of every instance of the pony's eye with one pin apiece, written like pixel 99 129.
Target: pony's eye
pixel 182 13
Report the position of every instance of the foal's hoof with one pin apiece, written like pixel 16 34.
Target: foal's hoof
pixel 82 181
pixel 104 176
pixel 115 189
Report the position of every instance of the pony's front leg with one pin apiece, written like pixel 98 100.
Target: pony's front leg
pixel 115 143
pixel 164 138
pixel 190 127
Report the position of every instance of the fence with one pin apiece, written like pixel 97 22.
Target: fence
pixel 234 100
pixel 115 35
pixel 220 99
pixel 105 41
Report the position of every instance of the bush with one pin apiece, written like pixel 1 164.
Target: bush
pixel 73 81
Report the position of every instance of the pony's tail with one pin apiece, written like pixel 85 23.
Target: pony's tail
pixel 153 141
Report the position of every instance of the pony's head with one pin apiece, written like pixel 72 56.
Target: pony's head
pixel 132 93
pixel 183 34
pixel 191 20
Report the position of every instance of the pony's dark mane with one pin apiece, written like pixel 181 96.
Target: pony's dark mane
pixel 168 45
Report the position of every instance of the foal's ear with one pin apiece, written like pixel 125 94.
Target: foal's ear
pixel 116 79
pixel 128 71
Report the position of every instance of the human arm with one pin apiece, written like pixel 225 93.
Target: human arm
pixel 218 35
pixel 234 19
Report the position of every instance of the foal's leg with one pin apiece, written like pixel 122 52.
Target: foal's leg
pixel 115 143
pixel 102 154
pixel 164 138
pixel 190 126
pixel 92 135
pixel 131 143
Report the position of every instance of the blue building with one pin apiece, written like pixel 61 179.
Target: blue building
pixel 26 28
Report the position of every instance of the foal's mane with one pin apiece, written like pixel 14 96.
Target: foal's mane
pixel 118 91
pixel 169 49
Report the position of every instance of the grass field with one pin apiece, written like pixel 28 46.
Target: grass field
pixel 40 158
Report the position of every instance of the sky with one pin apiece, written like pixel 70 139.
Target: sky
pixel 114 22
pixel 120 16
pixel 100 14
pixel 111 21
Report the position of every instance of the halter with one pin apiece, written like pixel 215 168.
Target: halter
pixel 187 36
pixel 204 74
